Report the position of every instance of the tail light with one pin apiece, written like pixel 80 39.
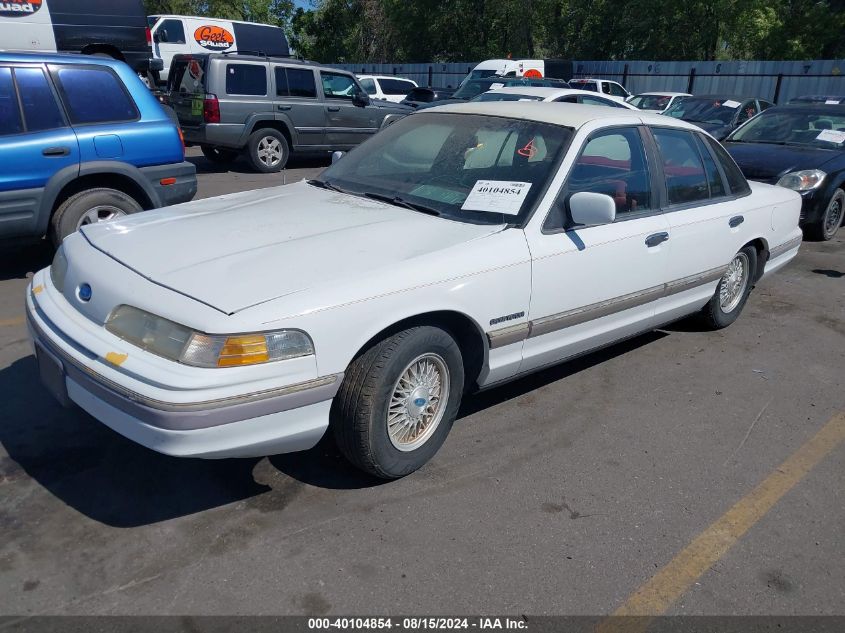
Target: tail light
pixel 211 109
pixel 149 37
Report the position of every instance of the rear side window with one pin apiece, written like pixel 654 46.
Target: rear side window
pixel 10 114
pixel 39 105
pixel 95 95
pixel 714 178
pixel 246 79
pixel 395 86
pixel 301 83
pixel 736 181
pixel 682 166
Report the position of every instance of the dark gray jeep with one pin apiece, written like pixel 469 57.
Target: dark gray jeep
pixel 269 107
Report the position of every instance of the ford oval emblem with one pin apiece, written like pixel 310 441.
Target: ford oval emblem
pixel 84 292
pixel 419 402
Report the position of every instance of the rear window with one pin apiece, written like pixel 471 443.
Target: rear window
pixel 187 75
pixel 395 86
pixel 583 85
pixel 95 95
pixel 246 79
pixel 39 105
pixel 10 114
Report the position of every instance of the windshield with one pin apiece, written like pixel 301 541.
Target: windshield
pixel 466 167
pixel 481 74
pixel 715 110
pixel 650 102
pixel 804 126
pixel 495 95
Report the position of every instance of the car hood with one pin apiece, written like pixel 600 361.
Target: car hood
pixel 241 250
pixel 767 162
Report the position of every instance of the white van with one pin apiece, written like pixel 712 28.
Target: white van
pixel 531 68
pixel 386 87
pixel 185 34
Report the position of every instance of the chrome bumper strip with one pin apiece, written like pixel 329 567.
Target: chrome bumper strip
pixel 779 250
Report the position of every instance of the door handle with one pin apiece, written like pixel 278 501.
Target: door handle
pixel 655 239
pixel 56 151
pixel 736 221
pixel 334 108
pixel 283 107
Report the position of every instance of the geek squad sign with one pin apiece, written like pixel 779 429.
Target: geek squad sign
pixel 18 8
pixel 214 38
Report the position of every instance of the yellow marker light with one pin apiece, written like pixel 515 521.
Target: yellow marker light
pixel 37 289
pixel 116 359
pixel 243 350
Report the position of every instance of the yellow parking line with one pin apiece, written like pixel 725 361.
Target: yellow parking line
pixel 12 322
pixel 657 594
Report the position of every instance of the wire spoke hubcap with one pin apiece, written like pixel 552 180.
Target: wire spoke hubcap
pixel 270 151
pixel 101 213
pixel 733 284
pixel 833 218
pixel 418 401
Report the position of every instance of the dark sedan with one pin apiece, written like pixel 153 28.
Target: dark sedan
pixel 419 96
pixel 718 114
pixel 801 147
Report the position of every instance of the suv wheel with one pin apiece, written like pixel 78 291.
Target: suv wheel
pixel 268 150
pixel 90 207
pixel 219 154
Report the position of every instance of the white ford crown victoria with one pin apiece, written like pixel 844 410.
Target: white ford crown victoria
pixel 459 248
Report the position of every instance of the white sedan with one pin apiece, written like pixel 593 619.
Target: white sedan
pixel 458 249
pixel 656 101
pixel 559 95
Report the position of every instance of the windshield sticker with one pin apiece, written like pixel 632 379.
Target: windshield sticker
pixel 529 151
pixel 731 104
pixel 497 196
pixel 831 136
pixel 19 8
pixel 496 86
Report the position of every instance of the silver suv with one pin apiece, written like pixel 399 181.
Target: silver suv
pixel 269 107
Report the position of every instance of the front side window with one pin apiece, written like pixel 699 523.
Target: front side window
pixel 613 163
pixel 301 83
pixel 171 32
pixel 466 167
pixel 95 95
pixel 683 168
pixel 10 113
pixel 337 86
pixel 369 86
pixel 246 79
pixel 616 90
pixel 39 105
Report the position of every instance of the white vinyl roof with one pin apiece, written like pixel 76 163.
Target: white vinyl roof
pixel 572 115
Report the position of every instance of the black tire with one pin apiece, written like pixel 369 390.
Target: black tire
pixel 219 154
pixel 264 139
pixel 360 411
pixel 67 218
pixel 715 315
pixel 828 225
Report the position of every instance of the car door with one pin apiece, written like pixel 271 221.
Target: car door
pixel 347 124
pixel 703 216
pixel 594 285
pixel 296 102
pixel 36 139
pixel 169 39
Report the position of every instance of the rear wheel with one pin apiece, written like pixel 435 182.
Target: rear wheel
pixel 268 150
pixel 90 207
pixel 831 219
pixel 398 402
pixel 733 290
pixel 219 154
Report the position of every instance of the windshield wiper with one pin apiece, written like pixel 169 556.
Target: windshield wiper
pixel 325 184
pixel 401 202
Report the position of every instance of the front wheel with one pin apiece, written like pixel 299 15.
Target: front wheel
pixel 733 290
pixel 827 227
pixel 398 401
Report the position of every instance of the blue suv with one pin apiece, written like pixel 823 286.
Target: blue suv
pixel 82 140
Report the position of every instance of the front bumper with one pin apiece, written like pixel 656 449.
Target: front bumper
pixel 182 190
pixel 281 420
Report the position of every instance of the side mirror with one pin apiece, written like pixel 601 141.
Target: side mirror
pixel 591 209
pixel 360 99
pixel 336 156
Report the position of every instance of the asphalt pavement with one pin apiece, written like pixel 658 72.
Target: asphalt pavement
pixel 601 485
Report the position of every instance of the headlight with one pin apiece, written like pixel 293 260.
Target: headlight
pixel 58 269
pixel 802 180
pixel 176 342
